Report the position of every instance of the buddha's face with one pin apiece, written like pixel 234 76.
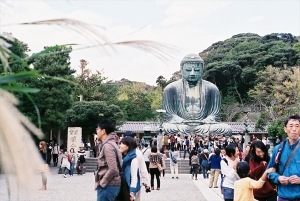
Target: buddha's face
pixel 192 72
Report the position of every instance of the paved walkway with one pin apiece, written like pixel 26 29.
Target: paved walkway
pixel 81 188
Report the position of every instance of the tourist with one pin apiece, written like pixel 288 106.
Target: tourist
pixel 80 160
pixel 65 164
pixel 173 165
pixel 49 155
pixel 243 188
pixel 287 175
pixel 204 163
pixel 107 178
pixel 143 172
pixel 44 168
pixel 215 168
pixel 55 152
pixel 186 147
pixel 228 164
pixel 247 154
pixel 258 162
pixel 72 163
pixel 130 165
pixel 154 159
pixel 165 141
pixel 195 165
pixel 146 152
pixel 164 157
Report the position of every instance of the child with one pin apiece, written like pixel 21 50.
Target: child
pixel 243 188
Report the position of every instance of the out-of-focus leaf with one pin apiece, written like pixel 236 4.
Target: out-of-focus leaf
pixel 18 76
pixel 20 89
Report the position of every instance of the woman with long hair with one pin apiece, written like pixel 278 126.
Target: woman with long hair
pixel 154 159
pixel 258 163
pixel 43 151
pixel 130 165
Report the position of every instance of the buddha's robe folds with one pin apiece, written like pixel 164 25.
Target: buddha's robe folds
pixel 193 109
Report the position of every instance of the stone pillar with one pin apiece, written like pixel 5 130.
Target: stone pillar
pixel 159 142
pixel 74 138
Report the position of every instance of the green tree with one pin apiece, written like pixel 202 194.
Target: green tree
pixel 135 102
pixel 276 91
pixel 94 87
pixel 54 97
pixel 86 114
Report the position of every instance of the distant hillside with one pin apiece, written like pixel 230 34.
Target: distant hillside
pixel 232 64
pixel 123 82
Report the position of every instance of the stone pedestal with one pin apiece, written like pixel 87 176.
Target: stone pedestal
pixel 159 142
pixel 272 141
pixel 247 140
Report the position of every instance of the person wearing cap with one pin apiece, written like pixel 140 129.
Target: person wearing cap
pixel 243 188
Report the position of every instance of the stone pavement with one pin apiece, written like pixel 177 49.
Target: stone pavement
pixel 81 188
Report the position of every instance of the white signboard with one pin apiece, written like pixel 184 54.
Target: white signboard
pixel 74 138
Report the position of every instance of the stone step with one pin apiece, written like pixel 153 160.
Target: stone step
pixel 183 165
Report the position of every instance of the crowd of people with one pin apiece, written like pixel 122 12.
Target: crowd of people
pixel 251 174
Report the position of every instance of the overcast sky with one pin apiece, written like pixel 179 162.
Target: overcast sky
pixel 190 26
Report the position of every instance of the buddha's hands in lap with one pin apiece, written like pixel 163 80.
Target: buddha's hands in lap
pixel 194 121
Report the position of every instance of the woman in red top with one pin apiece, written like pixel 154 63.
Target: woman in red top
pixel 258 162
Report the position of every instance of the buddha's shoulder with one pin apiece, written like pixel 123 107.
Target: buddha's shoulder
pixel 173 85
pixel 209 84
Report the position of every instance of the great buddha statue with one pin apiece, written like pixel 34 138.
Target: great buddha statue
pixel 191 104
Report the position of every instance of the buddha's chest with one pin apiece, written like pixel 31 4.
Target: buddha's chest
pixel 192 99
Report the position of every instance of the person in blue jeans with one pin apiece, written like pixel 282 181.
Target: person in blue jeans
pixel 107 178
pixel 204 155
pixel 186 147
pixel 72 163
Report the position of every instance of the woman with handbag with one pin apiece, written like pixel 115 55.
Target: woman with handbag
pixel 130 165
pixel 155 167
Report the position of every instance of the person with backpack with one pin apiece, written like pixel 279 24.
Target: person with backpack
pixel 107 177
pixel 228 164
pixel 285 158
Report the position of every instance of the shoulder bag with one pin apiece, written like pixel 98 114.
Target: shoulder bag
pixel 124 191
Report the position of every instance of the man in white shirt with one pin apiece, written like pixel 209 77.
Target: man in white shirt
pixel 146 152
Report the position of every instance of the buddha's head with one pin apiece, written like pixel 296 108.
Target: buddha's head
pixel 192 67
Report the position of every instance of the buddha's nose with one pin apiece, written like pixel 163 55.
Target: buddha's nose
pixel 192 72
